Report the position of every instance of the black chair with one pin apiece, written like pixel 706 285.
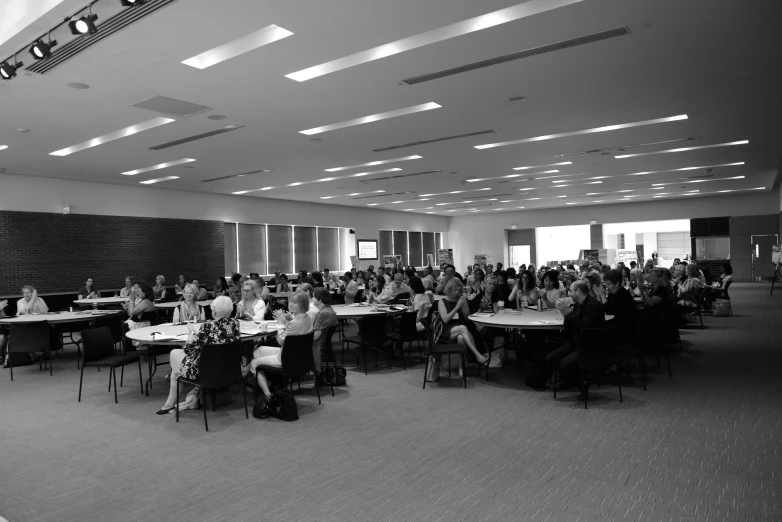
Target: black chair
pixel 694 310
pixel 408 333
pixel 402 298
pixel 726 296
pixel 327 352
pixel 596 354
pixel 297 360
pixel 630 346
pixel 219 366
pixel 30 338
pixel 114 324
pixel 371 335
pixel 443 347
pixel 99 353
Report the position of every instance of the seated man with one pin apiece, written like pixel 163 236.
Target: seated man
pixel 398 286
pixel 618 302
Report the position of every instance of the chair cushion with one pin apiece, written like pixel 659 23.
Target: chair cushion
pixel 114 360
pixel 443 348
pixel 272 369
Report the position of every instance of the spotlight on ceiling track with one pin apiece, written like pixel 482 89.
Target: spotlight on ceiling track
pixel 8 70
pixel 131 3
pixel 84 25
pixel 41 49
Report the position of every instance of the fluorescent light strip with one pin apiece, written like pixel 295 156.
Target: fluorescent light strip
pixel 158 180
pixel 372 117
pixel 397 202
pixel 453 192
pixel 454 203
pixel 512 176
pixel 3 147
pixel 543 166
pixel 683 149
pixel 576 184
pixel 353 194
pixel 253 190
pixel 685 168
pixel 158 167
pixel 322 180
pixel 122 133
pixel 585 131
pixel 695 181
pixel 373 163
pixel 234 48
pixel 440 34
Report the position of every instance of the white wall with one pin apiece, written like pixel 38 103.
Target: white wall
pixel 36 194
pixel 485 233
pixel 561 243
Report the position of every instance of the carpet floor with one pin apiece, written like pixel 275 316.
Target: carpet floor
pixel 701 445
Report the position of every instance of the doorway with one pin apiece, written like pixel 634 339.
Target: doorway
pixel 519 255
pixel 762 267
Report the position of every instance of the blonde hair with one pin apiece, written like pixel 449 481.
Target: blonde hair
pixel 453 287
pixel 193 288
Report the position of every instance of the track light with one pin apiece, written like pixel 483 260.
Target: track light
pixel 8 70
pixel 84 25
pixel 131 3
pixel 41 49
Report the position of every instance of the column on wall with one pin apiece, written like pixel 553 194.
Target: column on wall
pixel 596 236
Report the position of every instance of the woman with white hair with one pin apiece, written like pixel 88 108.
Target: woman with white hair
pixel 188 309
pixel 160 287
pixel 184 362
pixel 250 305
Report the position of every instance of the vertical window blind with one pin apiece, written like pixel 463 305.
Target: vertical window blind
pixel 252 249
pixel 305 249
pixel 415 245
pixel 412 246
pixel 328 249
pixel 386 244
pixel 280 248
pixel 429 247
pixel 400 245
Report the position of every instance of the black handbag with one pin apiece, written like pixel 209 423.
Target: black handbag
pixel 334 376
pixel 282 405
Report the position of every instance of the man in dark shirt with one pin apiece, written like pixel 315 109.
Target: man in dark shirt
pixel 618 302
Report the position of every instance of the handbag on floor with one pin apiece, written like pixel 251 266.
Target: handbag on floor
pixel 331 376
pixel 282 405
pixel 433 369
pixel 720 308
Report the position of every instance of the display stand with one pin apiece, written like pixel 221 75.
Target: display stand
pixel 777 274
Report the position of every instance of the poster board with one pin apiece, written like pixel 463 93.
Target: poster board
pixel 625 256
pixel 355 263
pixel 430 260
pixel 481 260
pixel 398 262
pixel 444 256
pixel 776 254
pixel 389 261
pixel 366 248
pixel 590 255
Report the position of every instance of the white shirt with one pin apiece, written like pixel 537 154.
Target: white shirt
pixel 259 309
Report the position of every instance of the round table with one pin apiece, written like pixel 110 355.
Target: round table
pixel 355 312
pixel 173 304
pixel 58 317
pixel 528 319
pixel 176 334
pixel 101 301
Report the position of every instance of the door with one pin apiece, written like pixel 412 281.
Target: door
pixel 519 255
pixel 762 267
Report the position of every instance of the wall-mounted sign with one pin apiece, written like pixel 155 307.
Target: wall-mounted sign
pixel 367 249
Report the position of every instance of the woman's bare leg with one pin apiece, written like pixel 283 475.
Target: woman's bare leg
pixel 462 331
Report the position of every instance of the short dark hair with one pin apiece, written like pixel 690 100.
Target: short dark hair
pixel 614 276
pixel 317 276
pixel 149 294
pixel 348 276
pixel 511 273
pixel 322 295
pixel 236 277
pixel 582 285
pixel 552 275
pixel 409 272
pixel 570 266
pixel 728 269
pixel 633 263
pixel 416 285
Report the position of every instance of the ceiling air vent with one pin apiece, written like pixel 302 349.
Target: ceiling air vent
pixel 383 195
pixel 581 40
pixel 197 137
pixel 237 175
pixel 171 107
pixel 705 227
pixel 115 23
pixel 426 142
pixel 402 176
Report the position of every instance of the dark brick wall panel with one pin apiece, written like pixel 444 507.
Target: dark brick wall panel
pixel 56 252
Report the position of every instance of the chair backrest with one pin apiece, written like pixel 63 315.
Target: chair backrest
pixel 597 340
pixel 150 316
pixel 402 298
pixel 220 365
pixel 29 337
pixel 372 329
pixel 297 354
pixel 328 351
pixel 98 343
pixel 407 326
pixel 113 323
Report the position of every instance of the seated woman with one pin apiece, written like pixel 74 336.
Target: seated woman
pixel 283 285
pixel 30 303
pixel 718 292
pixel 525 293
pixel 235 288
pixel 351 288
pixel 455 328
pixel 263 291
pixel 502 285
pixel 551 290
pixel 88 290
pixel 128 288
pixel 378 291
pixel 188 310
pixel 299 324
pixel 475 282
pixel 184 362
pixel 202 293
pixel 160 287
pixel 318 278
pixel 325 319
pixel 179 286
pixel 140 300
pixel 421 301
pixel 250 305
pixel 220 287
pixel 689 289
pixel 655 302
pixel 594 279
pixel 361 278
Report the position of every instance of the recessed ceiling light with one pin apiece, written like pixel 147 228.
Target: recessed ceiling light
pixel 440 34
pixel 216 117
pixel 512 176
pixel 683 149
pixel 253 190
pixel 585 131
pixel 695 181
pixel 122 133
pixel 77 85
pixel 544 166
pixel 373 163
pixel 232 49
pixel 3 147
pixel 158 180
pixel 532 199
pixel 158 167
pixel 519 207
pixel 373 117
pixel 572 202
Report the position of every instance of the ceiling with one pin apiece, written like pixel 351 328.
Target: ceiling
pixel 717 61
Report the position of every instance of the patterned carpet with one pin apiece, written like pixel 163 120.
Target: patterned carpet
pixel 701 445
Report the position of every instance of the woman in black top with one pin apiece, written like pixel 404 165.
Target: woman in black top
pixel 618 302
pixel 656 302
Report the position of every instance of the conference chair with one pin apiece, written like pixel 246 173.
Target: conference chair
pixel 371 335
pixel 443 347
pixel 596 354
pixel 407 333
pixel 327 354
pixel 30 338
pixel 297 360
pixel 99 353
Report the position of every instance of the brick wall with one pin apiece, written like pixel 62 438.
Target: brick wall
pixel 56 253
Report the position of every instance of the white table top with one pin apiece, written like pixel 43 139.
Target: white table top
pixel 353 311
pixel 173 304
pixel 526 319
pixel 284 295
pixel 178 334
pixel 101 301
pixel 58 317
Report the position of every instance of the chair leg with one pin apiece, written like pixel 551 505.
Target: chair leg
pixel 140 378
pixel 317 389
pixel 641 368
pixel 426 370
pixel 51 363
pixel 177 400
pixel 554 379
pixel 78 355
pixel 668 361
pixel 619 384
pixel 121 375
pixel 114 373
pixel 203 407
pixel 244 396
pixel 109 390
pixel 464 370
pixel 81 379
pixel 11 363
pixel 584 387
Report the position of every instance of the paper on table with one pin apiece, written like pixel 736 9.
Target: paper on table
pixel 162 337
pixel 543 321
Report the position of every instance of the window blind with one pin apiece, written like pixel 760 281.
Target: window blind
pixel 305 248
pixel 328 249
pixel 385 245
pixel 280 253
pixel 415 254
pixel 429 248
pixel 230 248
pixel 252 249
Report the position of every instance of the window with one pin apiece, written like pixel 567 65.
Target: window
pixel 412 246
pixel 266 249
